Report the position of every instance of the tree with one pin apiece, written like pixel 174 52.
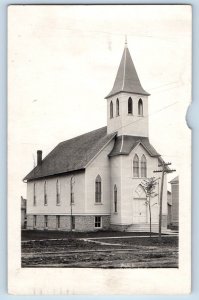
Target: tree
pixel 149 188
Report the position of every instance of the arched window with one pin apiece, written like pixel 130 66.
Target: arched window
pixel 45 194
pixel 58 192
pixel 143 167
pixel 111 110
pixel 98 189
pixel 115 198
pixel 130 106
pixel 117 108
pixel 34 194
pixel 72 183
pixel 136 166
pixel 140 107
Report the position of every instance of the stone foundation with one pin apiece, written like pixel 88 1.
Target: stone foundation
pixel 82 223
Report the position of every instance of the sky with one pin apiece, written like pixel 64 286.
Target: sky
pixel 62 62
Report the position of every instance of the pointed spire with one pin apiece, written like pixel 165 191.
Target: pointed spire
pixel 127 79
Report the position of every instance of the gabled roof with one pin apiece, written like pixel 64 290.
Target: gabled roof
pixel 127 79
pixel 72 155
pixel 175 180
pixel 126 143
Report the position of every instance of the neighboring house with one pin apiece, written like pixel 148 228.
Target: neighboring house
pixel 23 213
pixel 93 181
pixel 175 202
pixel 169 208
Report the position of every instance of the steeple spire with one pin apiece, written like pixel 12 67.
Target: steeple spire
pixel 127 80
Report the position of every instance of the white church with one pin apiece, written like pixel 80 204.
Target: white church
pixel 93 181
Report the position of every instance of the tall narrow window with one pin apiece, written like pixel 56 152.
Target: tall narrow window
pixel 130 106
pixel 140 107
pixel 58 192
pixel 34 222
pixel 34 194
pixel 58 222
pixel 115 198
pixel 136 166
pixel 117 108
pixel 98 189
pixel 45 194
pixel 72 183
pixel 111 110
pixel 46 222
pixel 143 167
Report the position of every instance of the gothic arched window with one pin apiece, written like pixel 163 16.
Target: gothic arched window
pixel 117 108
pixel 111 110
pixel 98 189
pixel 140 107
pixel 115 198
pixel 136 166
pixel 143 166
pixel 58 192
pixel 45 194
pixel 130 106
pixel 34 194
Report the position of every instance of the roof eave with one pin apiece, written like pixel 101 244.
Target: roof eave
pixel 129 92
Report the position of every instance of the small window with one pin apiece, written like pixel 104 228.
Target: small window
pixel 98 222
pixel 45 194
pixel 140 107
pixel 58 222
pixel 98 189
pixel 58 192
pixel 73 222
pixel 136 166
pixel 130 106
pixel 34 222
pixel 111 110
pixel 115 198
pixel 117 108
pixel 143 166
pixel 46 222
pixel 34 195
pixel 72 183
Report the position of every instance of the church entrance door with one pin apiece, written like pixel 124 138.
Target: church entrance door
pixel 139 206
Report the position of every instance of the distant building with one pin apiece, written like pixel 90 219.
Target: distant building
pixel 169 206
pixel 175 202
pixel 93 181
pixel 23 213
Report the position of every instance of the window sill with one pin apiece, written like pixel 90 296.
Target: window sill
pixel 58 204
pixel 45 204
pixel 129 114
pixel 98 203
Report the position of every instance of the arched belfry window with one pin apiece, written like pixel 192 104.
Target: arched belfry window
pixel 136 166
pixel 111 110
pixel 45 193
pixel 140 107
pixel 130 106
pixel 115 198
pixel 117 107
pixel 143 166
pixel 98 189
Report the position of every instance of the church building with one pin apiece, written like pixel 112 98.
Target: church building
pixel 94 181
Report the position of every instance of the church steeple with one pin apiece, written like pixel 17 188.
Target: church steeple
pixel 127 79
pixel 127 103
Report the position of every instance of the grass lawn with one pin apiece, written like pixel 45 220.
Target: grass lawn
pixel 78 251
pixel 44 234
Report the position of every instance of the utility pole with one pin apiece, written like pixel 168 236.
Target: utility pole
pixel 163 171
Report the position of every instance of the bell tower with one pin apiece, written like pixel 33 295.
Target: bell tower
pixel 127 103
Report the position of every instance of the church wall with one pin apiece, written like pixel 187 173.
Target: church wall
pixel 116 168
pixel 129 185
pixel 128 124
pixel 52 207
pixel 99 166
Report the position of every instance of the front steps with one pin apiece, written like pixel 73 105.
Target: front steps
pixel 142 228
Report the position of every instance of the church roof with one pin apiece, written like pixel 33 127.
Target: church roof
pixel 72 155
pixel 175 180
pixel 127 79
pixel 126 143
